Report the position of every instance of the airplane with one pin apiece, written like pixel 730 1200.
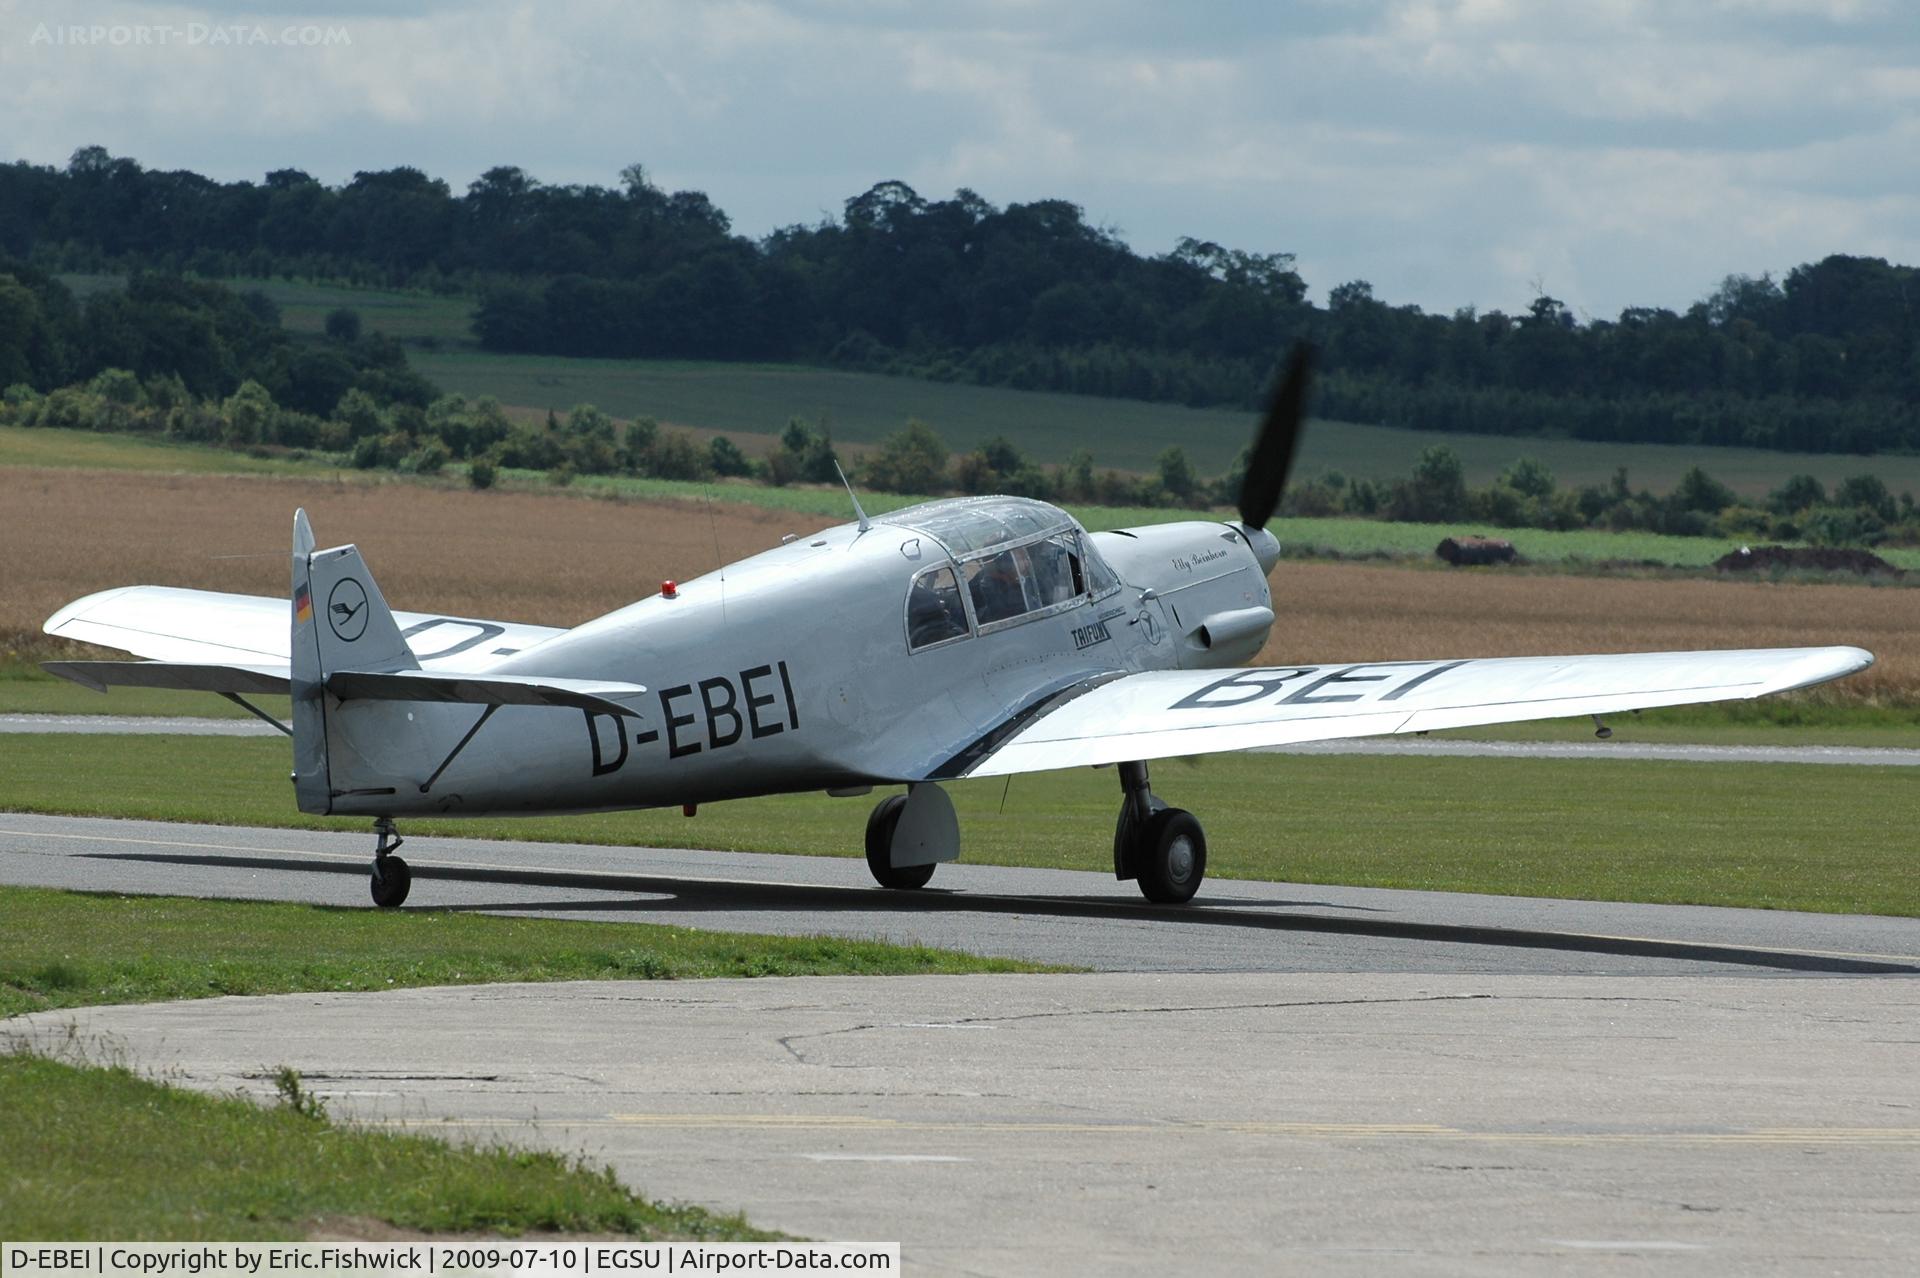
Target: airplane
pixel 967 637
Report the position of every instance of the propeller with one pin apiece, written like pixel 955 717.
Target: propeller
pixel 1274 444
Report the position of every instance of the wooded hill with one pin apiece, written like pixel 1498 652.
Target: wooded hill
pixel 1029 295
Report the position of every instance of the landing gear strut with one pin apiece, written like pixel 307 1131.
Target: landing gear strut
pixel 1163 848
pixel 391 877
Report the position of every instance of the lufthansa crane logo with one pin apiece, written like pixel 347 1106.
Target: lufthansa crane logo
pixel 347 609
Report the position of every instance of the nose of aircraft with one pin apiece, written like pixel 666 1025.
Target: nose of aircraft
pixel 1266 547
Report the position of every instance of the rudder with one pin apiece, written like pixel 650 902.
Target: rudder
pixel 340 622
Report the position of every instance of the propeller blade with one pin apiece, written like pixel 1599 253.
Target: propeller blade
pixel 1274 445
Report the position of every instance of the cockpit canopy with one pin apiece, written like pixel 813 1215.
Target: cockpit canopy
pixel 1017 560
pixel 968 525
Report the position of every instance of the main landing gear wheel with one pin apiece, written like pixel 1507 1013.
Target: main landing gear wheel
pixel 880 827
pixel 1171 857
pixel 391 877
pixel 1163 848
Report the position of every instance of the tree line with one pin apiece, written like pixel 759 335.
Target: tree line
pixel 1860 511
pixel 1030 295
pixel 172 354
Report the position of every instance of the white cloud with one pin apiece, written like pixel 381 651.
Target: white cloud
pixel 1451 151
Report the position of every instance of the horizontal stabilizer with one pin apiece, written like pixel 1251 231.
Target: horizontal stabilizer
pixel 483 690
pixel 171 624
pixel 101 675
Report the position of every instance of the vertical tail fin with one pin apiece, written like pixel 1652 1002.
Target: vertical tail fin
pixel 340 622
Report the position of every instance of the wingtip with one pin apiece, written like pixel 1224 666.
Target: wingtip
pixel 55 624
pixel 302 532
pixel 1816 666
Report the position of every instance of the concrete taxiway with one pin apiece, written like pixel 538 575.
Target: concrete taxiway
pixel 1053 916
pixel 1155 1123
pixel 1281 1078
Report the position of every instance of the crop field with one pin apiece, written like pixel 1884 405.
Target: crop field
pixel 561 559
pixel 409 315
pixel 755 400
pixel 744 400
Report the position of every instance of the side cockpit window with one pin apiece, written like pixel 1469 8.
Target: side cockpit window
pixel 1057 577
pixel 935 613
pixel 1039 578
pixel 999 586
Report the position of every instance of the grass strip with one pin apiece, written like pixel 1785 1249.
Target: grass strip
pixel 70 949
pixel 1782 836
pixel 96 1153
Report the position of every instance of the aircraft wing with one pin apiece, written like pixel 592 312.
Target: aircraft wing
pixel 164 623
pixel 1164 713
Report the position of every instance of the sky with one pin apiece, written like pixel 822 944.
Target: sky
pixel 1453 153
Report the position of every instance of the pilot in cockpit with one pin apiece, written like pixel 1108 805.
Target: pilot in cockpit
pixel 997 592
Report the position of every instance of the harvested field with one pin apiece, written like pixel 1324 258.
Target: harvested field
pixel 563 558
pixel 557 559
pixel 1360 612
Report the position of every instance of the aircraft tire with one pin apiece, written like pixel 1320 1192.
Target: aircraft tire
pixel 880 827
pixel 390 883
pixel 1171 856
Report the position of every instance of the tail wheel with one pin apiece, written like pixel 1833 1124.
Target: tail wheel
pixel 1171 856
pixel 881 824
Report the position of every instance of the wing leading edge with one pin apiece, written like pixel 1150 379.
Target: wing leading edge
pixel 1164 713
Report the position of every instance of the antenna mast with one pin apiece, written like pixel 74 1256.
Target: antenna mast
pixel 864 524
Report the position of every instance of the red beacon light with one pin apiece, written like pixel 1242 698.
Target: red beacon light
pixel 669 590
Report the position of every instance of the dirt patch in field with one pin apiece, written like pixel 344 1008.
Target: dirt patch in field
pixel 1766 559
pixel 561 559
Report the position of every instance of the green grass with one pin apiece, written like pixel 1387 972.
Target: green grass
pixel 1793 720
pixel 21 446
pixel 406 314
pixel 21 693
pixel 70 949
pixel 409 316
pixel 98 1153
pixel 1779 836
pixel 1352 537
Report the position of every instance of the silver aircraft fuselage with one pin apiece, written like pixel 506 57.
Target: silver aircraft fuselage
pixel 793 670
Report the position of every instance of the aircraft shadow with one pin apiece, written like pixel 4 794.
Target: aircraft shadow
pixel 705 895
